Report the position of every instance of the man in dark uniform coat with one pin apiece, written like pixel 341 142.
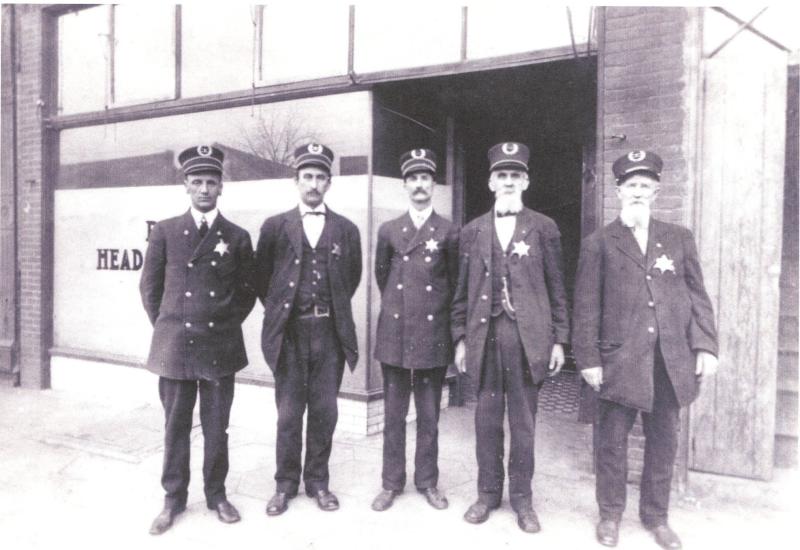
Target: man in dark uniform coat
pixel 644 336
pixel 509 320
pixel 194 289
pixel 416 264
pixel 307 268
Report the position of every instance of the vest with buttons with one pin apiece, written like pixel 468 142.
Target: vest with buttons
pixel 314 286
pixel 499 270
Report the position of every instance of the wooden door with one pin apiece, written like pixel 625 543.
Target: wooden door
pixel 739 231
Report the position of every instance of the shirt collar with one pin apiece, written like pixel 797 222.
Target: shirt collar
pixel 421 215
pixel 210 216
pixel 630 223
pixel 304 208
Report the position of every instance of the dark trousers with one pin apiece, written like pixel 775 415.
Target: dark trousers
pixel 505 378
pixel 178 398
pixel 661 444
pixel 309 374
pixel 398 384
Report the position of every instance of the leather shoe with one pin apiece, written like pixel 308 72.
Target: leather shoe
pixel 384 500
pixel 607 532
pixel 326 500
pixel 226 512
pixel 279 503
pixel 479 512
pixel 528 521
pixel 434 497
pixel 666 537
pixel 164 519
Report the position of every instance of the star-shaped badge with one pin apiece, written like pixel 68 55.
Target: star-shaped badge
pixel 664 264
pixel 221 248
pixel 337 250
pixel 431 245
pixel 521 248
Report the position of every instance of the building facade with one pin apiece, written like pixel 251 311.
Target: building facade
pixel 97 101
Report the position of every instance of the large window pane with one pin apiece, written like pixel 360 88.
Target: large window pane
pixel 217 50
pixel 394 36
pixel 502 28
pixel 82 60
pixel 144 53
pixel 304 42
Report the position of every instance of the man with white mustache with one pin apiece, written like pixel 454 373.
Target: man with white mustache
pixel 644 337
pixel 509 321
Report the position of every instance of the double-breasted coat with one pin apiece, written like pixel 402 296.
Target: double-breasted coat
pixel 279 253
pixel 627 302
pixel 416 272
pixel 537 289
pixel 196 293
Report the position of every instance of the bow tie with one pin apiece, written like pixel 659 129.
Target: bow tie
pixel 504 214
pixel 313 213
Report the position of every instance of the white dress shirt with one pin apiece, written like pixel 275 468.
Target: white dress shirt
pixel 640 232
pixel 419 217
pixel 209 216
pixel 504 227
pixel 313 224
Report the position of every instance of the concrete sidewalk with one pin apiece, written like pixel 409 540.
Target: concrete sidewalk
pixel 82 470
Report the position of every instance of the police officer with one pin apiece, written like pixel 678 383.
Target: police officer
pixel 308 266
pixel 644 337
pixel 195 292
pixel 509 320
pixel 416 263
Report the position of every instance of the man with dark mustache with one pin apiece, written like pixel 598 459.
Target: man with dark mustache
pixel 416 263
pixel 307 268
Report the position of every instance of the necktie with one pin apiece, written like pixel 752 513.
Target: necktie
pixel 313 213
pixel 203 227
pixel 504 214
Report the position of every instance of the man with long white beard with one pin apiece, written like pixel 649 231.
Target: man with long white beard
pixel 509 321
pixel 644 337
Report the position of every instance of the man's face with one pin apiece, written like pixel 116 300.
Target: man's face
pixel 312 183
pixel 638 191
pixel 419 186
pixel 203 188
pixel 508 182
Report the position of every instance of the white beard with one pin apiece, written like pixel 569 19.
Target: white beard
pixel 635 215
pixel 508 204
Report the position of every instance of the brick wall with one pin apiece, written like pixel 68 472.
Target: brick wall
pixel 32 206
pixel 646 93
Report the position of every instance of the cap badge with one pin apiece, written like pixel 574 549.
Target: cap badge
pixel 636 156
pixel 204 150
pixel 315 148
pixel 510 148
pixel 418 153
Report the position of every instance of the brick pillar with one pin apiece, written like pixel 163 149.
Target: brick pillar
pixel 34 192
pixel 648 73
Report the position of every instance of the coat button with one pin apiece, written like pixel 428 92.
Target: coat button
pixel 211 324
pixel 313 261
pixel 188 325
pixel 483 319
pixel 658 245
pixel 396 315
pixel 651 303
pixel 400 286
pixel 427 259
pixel 291 284
pixel 212 293
pixel 428 288
pixel 405 258
pixel 405 229
pixel 191 341
pixel 213 263
pixel 484 297
pixel 214 362
pixel 286 305
pixel 430 317
pixel 648 277
pixel 185 231
pixel 486 273
pixel 296 261
pixel 188 294
pixel 190 264
pixel 651 330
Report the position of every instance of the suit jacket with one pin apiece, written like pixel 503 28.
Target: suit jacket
pixel 196 294
pixel 277 273
pixel 537 289
pixel 416 271
pixel 626 302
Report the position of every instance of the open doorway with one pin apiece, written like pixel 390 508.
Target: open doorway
pixel 550 106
